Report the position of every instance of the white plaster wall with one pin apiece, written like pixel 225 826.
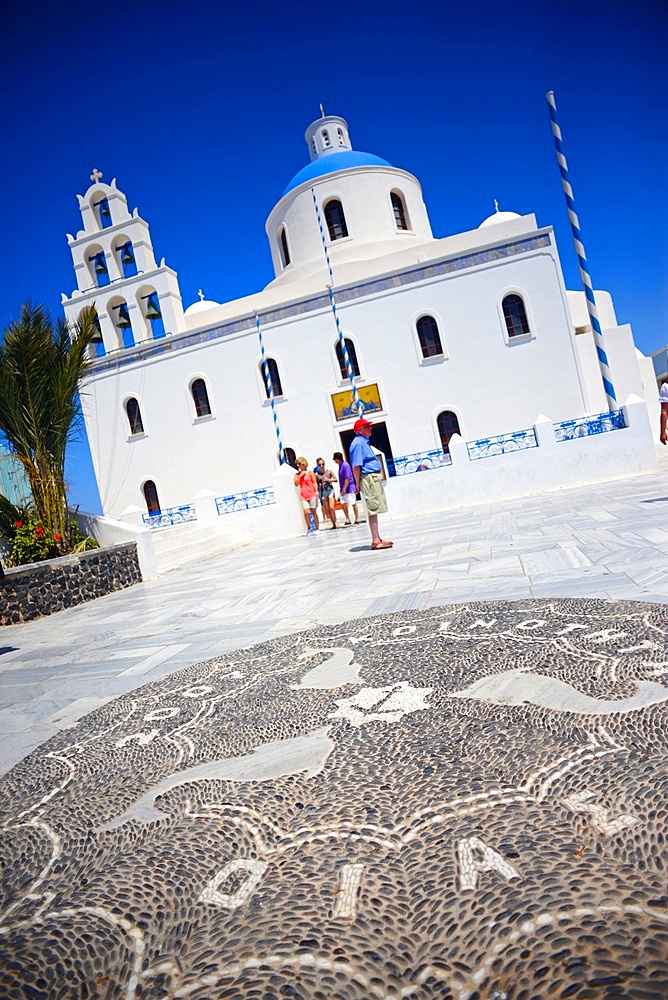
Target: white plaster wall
pixel 553 465
pixel 365 196
pixel 494 386
pixel 604 306
pixel 628 372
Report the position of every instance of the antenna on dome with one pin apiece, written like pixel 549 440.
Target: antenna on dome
pixel 322 112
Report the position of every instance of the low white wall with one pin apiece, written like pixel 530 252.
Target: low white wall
pixel 281 519
pixel 106 531
pixel 553 465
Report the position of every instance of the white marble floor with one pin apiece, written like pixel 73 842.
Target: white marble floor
pixel 607 540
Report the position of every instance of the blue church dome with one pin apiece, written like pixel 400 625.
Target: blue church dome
pixel 332 162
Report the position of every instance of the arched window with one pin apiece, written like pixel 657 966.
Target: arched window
pixel 126 258
pixel 336 220
pixel 515 315
pixel 290 456
pixel 134 416
pixel 151 497
pixel 399 209
pixel 123 323
pixel 430 339
pixel 339 133
pixel 100 269
pixel 447 426
pixel 274 378
pixel 283 243
pixel 200 398
pixel 325 138
pixel 352 354
pixel 103 213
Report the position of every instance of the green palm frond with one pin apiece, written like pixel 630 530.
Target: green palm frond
pixel 41 365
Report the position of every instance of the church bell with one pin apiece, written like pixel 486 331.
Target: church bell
pixel 104 209
pixel 127 256
pixel 100 264
pixel 123 318
pixel 97 336
pixel 152 311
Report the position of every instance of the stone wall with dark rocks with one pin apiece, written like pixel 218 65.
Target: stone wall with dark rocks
pixel 28 592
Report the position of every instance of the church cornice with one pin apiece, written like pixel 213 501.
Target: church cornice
pixel 415 274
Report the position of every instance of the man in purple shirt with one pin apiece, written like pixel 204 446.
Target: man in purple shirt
pixel 347 486
pixel 367 471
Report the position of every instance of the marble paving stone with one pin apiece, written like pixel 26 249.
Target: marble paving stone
pixel 66 717
pixel 147 664
pixel 503 566
pixel 402 602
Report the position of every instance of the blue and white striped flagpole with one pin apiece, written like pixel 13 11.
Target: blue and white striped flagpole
pixel 359 405
pixel 582 257
pixel 270 390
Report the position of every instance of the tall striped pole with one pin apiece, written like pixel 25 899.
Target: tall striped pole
pixel 359 405
pixel 270 390
pixel 582 257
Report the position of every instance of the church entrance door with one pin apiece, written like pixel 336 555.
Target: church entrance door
pixel 379 439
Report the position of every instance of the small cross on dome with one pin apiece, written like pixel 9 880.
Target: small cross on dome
pixel 95 176
pixel 201 294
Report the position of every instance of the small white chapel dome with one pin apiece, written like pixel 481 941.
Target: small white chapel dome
pixel 202 305
pixel 498 216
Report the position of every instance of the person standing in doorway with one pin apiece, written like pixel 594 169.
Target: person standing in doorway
pixel 347 488
pixel 368 479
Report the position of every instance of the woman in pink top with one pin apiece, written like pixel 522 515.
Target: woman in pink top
pixel 308 493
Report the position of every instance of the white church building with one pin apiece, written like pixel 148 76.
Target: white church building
pixel 469 355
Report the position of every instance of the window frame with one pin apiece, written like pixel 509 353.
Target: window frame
pixel 199 417
pixel 266 398
pixel 133 435
pixel 445 448
pixel 429 359
pixel 336 200
pixel 526 335
pixel 284 247
pixel 341 370
pixel 150 512
pixel 403 211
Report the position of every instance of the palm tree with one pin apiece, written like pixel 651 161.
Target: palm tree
pixel 41 365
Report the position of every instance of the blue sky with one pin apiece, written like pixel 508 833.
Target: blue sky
pixel 199 111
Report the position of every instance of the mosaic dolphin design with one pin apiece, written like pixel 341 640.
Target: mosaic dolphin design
pixel 269 760
pixel 516 687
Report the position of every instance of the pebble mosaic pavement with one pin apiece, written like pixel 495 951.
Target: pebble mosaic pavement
pixel 458 802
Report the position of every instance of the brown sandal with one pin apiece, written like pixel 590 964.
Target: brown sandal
pixel 382 545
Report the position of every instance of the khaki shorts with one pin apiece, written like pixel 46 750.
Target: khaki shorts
pixel 373 491
pixel 309 504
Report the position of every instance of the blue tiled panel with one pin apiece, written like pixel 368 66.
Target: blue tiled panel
pixel 421 461
pixel 501 445
pixel 171 516
pixel 568 430
pixel 245 501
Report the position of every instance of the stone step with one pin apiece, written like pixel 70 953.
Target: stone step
pixel 186 544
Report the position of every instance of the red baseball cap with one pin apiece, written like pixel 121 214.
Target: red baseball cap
pixel 359 424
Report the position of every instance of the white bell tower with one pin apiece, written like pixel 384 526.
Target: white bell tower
pixel 136 300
